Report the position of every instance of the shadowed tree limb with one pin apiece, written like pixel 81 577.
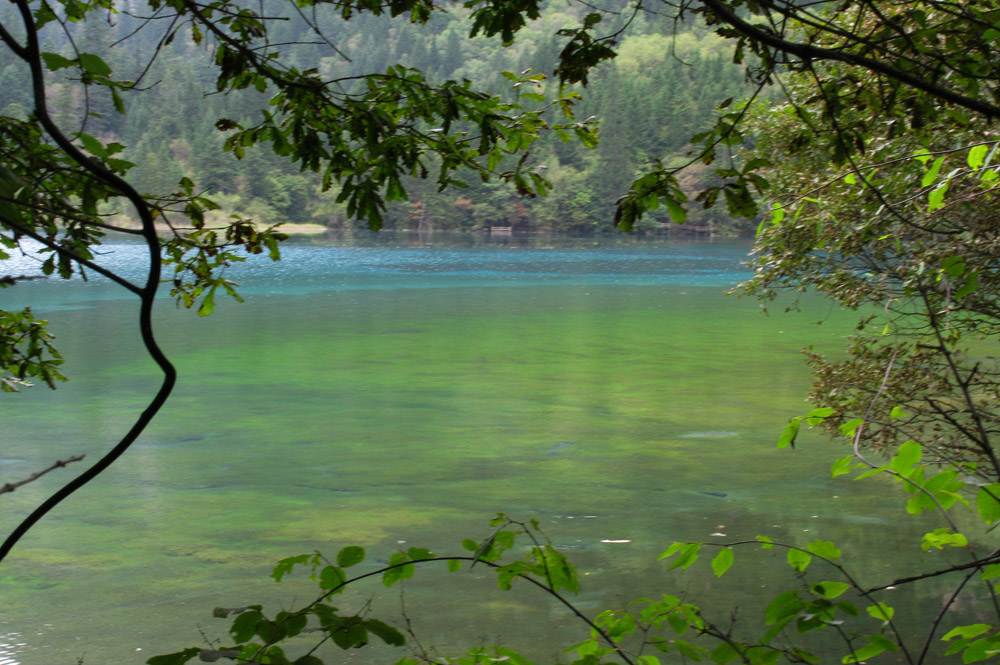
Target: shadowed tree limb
pixel 810 52
pixel 31 53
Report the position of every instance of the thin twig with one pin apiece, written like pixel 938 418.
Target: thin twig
pixel 10 487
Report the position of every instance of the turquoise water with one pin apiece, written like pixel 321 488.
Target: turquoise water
pixel 378 393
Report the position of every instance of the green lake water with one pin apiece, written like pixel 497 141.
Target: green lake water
pixel 384 392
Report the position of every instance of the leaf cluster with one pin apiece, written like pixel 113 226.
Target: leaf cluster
pixel 868 64
pixel 906 234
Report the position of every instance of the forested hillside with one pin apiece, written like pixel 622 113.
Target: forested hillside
pixel 661 89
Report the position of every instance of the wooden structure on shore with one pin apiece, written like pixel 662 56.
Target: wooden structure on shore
pixel 705 232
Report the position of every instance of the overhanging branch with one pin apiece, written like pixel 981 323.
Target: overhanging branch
pixel 809 52
pixel 147 294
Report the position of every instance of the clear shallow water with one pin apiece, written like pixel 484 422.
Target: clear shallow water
pixel 375 393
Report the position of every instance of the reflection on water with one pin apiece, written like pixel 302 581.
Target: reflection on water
pixel 10 645
pixel 377 393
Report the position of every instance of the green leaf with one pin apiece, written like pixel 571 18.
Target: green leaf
pixel 907 456
pixel 92 145
pixel 294 623
pixel 971 285
pixel 883 641
pixel 871 472
pixel 484 548
pixel 981 649
pixel 825 549
pixel 822 412
pixel 55 62
pixel 977 156
pixel 844 465
pixel 970 631
pixel 789 434
pixel 799 560
pixel 350 556
pixel 848 608
pixel 286 565
pixel 207 303
pixel 399 572
pixel 896 412
pixel 419 553
pixel 880 611
pixel 941 538
pixel 688 555
pixel 331 577
pixel 783 608
pixel 766 543
pixel 677 213
pixel 920 503
pixel 385 632
pixel 829 589
pixel 935 200
pixel 953 265
pixel 988 502
pixel 777 213
pixel 932 173
pixel 93 64
pixel 454 565
pixel 864 653
pixel 722 561
pixel 851 426
pixel 351 634
pixel 724 653
pixel 677 623
pixel 245 625
pixel 395 191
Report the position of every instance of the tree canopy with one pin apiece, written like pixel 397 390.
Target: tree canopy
pixel 868 64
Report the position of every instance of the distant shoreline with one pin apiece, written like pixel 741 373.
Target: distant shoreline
pixel 289 228
pixel 306 229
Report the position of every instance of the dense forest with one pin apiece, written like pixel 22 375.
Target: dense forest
pixel 662 88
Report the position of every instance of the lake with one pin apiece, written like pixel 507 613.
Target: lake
pixel 388 392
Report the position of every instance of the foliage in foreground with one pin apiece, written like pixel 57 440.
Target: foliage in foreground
pixel 825 598
pixel 906 233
